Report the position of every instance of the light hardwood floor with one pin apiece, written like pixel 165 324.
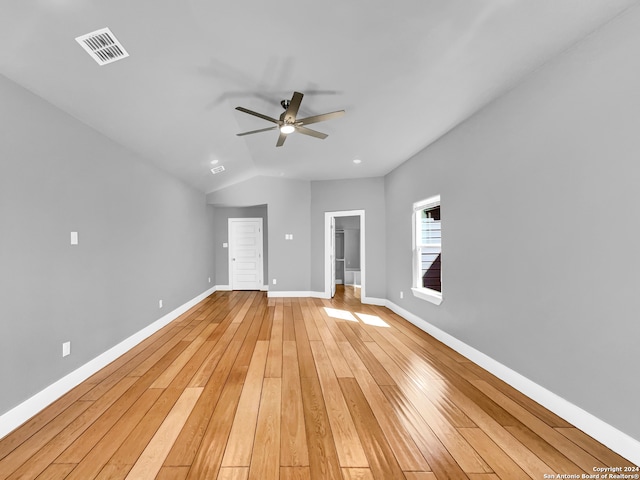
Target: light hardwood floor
pixel 246 387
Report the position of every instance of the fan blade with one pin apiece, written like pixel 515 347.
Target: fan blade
pixel 313 133
pixel 320 118
pixel 294 105
pixel 257 131
pixel 256 114
pixel 281 139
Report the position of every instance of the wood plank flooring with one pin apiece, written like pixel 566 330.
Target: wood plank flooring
pixel 245 387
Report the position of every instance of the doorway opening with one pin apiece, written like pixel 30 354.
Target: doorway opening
pixel 344 251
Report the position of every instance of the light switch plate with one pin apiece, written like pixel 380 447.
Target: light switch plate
pixel 225 245
pixel 74 238
pixel 66 349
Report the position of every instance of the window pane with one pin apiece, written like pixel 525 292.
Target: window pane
pixel 430 226
pixel 430 268
pixel 430 248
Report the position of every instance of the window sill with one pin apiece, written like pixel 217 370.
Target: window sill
pixel 428 295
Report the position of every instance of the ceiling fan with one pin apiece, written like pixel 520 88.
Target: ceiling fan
pixel 288 123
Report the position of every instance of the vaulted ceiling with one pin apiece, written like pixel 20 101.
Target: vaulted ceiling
pixel 406 72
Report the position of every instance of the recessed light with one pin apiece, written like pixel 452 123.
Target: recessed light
pixel 357 161
pixel 214 162
pixel 217 169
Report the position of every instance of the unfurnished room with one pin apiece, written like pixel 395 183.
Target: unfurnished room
pixel 319 240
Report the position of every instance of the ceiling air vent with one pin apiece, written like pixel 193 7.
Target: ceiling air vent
pixel 103 46
pixel 217 169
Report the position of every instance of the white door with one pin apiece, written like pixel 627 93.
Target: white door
pixel 245 253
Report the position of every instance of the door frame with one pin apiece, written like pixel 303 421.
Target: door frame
pixel 260 246
pixel 329 249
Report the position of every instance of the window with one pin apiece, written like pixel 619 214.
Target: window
pixel 427 250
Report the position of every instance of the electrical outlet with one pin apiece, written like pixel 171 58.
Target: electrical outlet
pixel 209 279
pixel 275 281
pixel 74 238
pixel 401 294
pixel 159 303
pixel 66 349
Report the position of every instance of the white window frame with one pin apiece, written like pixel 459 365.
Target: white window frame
pixel 428 294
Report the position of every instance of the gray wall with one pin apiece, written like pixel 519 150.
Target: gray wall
pixel 144 236
pixel 297 206
pixel 338 195
pixel 540 234
pixel 221 227
pixel 351 222
pixel 352 242
pixel 288 203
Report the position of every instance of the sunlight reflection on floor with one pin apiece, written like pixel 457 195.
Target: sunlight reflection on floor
pixel 366 318
pixel 373 320
pixel 340 314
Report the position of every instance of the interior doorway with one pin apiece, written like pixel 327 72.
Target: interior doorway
pixel 352 268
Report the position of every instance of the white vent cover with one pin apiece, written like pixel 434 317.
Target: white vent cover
pixel 217 169
pixel 103 46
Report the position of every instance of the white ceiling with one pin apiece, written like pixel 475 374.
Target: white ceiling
pixel 406 72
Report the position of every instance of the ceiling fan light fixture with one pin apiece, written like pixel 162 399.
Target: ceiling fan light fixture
pixel 286 129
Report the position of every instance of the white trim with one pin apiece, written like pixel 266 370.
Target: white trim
pixel 420 292
pixel 426 203
pixel 327 248
pixel 373 301
pixel 365 300
pixel 606 434
pixel 297 293
pixel 428 295
pixel 27 409
pixel 222 288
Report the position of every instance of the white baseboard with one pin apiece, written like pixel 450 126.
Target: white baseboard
pixel 27 409
pixel 227 288
pixel 613 438
pixel 374 301
pixel 296 293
